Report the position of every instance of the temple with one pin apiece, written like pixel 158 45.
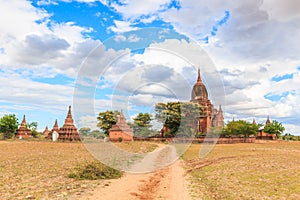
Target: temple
pixel 211 116
pixel 46 131
pixel 54 129
pixel 121 131
pixel 23 131
pixel 261 135
pixel 68 131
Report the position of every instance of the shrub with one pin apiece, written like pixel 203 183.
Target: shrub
pixel 120 139
pixel 94 170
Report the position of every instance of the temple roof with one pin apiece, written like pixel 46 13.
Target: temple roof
pixel 199 91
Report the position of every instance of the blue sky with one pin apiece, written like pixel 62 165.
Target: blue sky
pixel 101 54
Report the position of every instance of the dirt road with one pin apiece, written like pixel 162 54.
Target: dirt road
pixel 165 183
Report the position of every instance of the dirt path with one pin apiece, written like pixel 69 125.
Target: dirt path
pixel 165 183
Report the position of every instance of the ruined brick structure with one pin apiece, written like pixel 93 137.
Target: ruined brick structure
pixel 121 131
pixel 55 128
pixel 46 131
pixel 68 131
pixel 211 116
pixel 261 135
pixel 23 131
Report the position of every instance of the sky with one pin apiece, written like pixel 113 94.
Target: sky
pixel 98 55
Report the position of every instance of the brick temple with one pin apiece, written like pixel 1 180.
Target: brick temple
pixel 23 131
pixel 211 116
pixel 121 131
pixel 55 129
pixel 68 131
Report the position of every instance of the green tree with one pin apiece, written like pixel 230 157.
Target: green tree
pixel 107 119
pixel 85 130
pixel 141 125
pixel 240 128
pixel 8 125
pixel 33 127
pixel 179 118
pixel 274 127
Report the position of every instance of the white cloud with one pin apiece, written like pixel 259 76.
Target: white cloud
pixel 122 26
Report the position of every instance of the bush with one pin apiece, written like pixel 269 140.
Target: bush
pixel 94 170
pixel 120 139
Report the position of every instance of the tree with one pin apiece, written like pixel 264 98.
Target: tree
pixel 33 127
pixel 240 128
pixel 84 130
pixel 8 125
pixel 274 128
pixel 178 117
pixel 107 119
pixel 141 125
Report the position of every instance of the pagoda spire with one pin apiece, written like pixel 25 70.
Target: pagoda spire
pixel 268 120
pixel 23 124
pixel 199 76
pixel 254 122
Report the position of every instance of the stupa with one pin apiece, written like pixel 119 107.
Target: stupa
pixel 68 131
pixel 23 131
pixel 54 129
pixel 121 131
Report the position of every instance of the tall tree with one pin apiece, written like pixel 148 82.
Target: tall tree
pixel 274 127
pixel 33 127
pixel 107 119
pixel 8 125
pixel 178 117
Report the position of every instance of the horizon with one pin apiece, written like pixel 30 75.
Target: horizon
pixel 98 55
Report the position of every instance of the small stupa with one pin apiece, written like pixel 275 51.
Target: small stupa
pixel 121 131
pixel 54 129
pixel 23 131
pixel 68 131
pixel 46 131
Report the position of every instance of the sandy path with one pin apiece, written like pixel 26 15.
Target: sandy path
pixel 166 183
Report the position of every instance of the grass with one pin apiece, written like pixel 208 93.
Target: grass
pixel 245 171
pixel 39 169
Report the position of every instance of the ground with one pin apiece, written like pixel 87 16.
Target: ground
pixel 38 170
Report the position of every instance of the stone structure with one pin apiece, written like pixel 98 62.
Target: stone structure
pixel 68 131
pixel 23 131
pixel 46 132
pixel 54 129
pixel 261 135
pixel 211 116
pixel 121 131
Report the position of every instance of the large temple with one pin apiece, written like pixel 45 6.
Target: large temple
pixel 211 116
pixel 23 131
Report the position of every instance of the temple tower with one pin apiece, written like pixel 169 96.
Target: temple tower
pixel 23 131
pixel 68 131
pixel 210 117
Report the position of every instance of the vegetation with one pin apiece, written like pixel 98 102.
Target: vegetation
pixel 274 127
pixel 240 128
pixel 107 119
pixel 33 127
pixel 8 126
pixel 178 117
pixel 245 171
pixel 93 170
pixel 141 125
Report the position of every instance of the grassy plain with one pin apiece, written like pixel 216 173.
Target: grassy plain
pixel 268 170
pixel 39 170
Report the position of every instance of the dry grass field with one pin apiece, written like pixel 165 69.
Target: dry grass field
pixel 245 171
pixel 39 170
